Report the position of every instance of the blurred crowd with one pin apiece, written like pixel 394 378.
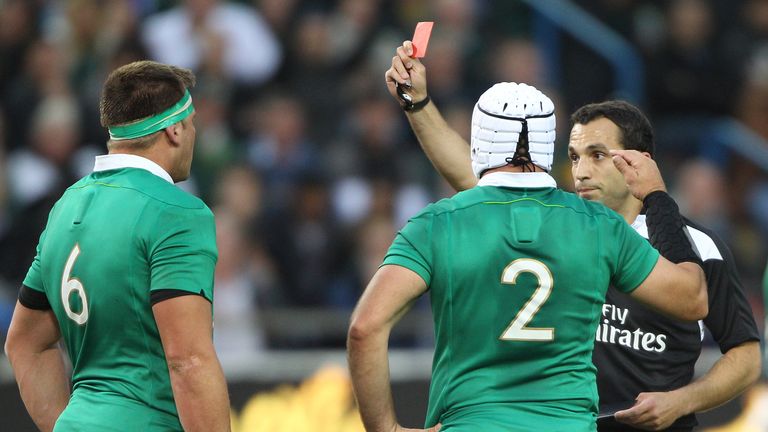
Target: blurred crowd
pixel 308 164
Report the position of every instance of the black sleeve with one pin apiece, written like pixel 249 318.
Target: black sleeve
pixel 33 299
pixel 666 228
pixel 730 318
pixel 157 296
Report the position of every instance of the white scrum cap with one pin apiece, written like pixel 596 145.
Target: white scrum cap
pixel 498 119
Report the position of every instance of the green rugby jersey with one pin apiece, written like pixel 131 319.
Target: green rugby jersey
pixel 112 238
pixel 517 276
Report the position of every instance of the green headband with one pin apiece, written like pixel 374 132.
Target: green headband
pixel 149 125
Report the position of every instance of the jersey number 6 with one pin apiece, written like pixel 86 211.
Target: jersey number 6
pixel 517 329
pixel 73 284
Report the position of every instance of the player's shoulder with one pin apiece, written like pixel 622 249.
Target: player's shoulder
pixel 458 201
pixel 173 208
pixel 143 188
pixel 161 192
pixel 81 183
pixel 554 198
pixel 438 208
pixel 176 197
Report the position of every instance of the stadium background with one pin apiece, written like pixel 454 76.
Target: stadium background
pixel 310 167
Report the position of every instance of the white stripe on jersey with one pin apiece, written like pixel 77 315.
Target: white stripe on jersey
pixel 704 247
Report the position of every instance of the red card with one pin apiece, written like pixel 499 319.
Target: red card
pixel 421 38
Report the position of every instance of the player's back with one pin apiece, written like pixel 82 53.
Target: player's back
pixel 97 260
pixel 518 280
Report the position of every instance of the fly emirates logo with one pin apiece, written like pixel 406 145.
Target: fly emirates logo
pixel 611 330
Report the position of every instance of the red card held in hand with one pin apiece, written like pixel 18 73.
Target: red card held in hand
pixel 421 38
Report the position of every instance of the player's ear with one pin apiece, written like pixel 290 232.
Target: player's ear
pixel 173 132
pixel 646 154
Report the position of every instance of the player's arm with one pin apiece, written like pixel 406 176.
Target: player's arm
pixel 445 148
pixel 389 295
pixel 38 366
pixel 676 290
pixel 676 286
pixel 199 388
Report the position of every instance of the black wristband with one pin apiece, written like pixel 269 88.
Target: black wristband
pixel 416 106
pixel 666 229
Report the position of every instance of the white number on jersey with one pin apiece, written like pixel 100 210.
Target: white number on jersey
pixel 73 284
pixel 517 329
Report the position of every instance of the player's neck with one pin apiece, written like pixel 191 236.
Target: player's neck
pixel 152 153
pixel 516 169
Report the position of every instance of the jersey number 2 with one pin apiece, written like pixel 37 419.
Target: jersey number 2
pixel 517 329
pixel 70 284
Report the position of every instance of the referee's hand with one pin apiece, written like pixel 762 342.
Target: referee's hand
pixel 640 172
pixel 652 411
pixel 408 72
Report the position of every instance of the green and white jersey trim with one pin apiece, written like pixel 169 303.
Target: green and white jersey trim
pixel 119 161
pixel 518 180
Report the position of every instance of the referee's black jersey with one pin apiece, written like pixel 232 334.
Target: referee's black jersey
pixel 639 350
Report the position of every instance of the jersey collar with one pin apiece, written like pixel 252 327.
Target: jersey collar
pixel 640 226
pixel 518 180
pixel 118 161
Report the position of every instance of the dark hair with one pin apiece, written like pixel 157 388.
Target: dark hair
pixel 636 130
pixel 141 89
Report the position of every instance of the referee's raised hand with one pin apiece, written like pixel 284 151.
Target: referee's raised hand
pixel 640 172
pixel 408 72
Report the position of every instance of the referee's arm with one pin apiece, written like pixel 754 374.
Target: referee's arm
pixel 738 368
pixel 445 148
pixel 732 325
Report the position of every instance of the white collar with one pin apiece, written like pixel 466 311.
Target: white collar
pixel 640 226
pixel 518 180
pixel 117 161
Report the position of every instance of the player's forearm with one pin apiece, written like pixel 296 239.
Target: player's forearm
pixel 445 148
pixel 43 384
pixel 369 367
pixel 676 290
pixel 692 293
pixel 200 391
pixel 733 373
